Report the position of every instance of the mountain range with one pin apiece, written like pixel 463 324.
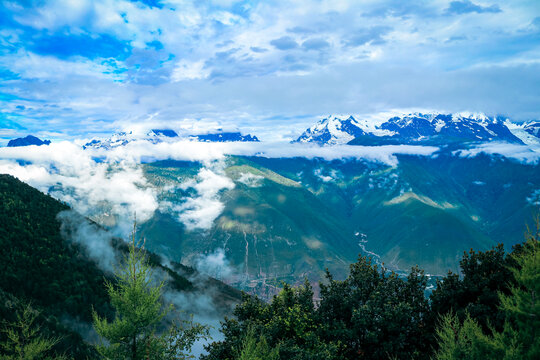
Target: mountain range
pixel 27 141
pixel 414 129
pixel 286 219
pixel 421 129
pixel 290 218
pixel 167 135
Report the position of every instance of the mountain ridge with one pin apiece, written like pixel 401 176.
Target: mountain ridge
pixel 418 128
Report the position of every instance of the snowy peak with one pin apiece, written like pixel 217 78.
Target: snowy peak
pixel 528 132
pixel 533 128
pixel 225 137
pixel 414 128
pixel 116 140
pixel 156 136
pixel 332 130
pixel 163 132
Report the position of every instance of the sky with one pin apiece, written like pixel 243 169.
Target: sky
pixel 78 68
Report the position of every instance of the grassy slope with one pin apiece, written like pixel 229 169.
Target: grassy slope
pixel 273 229
pixel 445 209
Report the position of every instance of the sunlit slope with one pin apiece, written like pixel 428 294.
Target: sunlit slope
pixel 423 211
pixel 271 227
pixel 289 218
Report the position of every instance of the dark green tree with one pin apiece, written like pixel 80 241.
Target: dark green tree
pixel 484 274
pixel 373 314
pixel 134 332
pixel 522 305
pixel 519 337
pixel 24 340
pixel 466 341
pixel 256 349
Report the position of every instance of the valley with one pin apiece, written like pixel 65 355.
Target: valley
pixel 286 219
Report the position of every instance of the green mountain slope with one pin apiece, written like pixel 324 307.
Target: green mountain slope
pixel 290 218
pixel 270 230
pixel 424 211
pixel 41 265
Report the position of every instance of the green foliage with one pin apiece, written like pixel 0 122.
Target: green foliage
pixel 375 314
pixel 372 314
pixel 24 340
pixel 133 334
pixel 484 275
pixel 256 349
pixel 465 341
pixel 522 305
pixel 519 337
pixel 40 266
pixel 36 262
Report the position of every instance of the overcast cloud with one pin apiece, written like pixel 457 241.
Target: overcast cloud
pixel 78 68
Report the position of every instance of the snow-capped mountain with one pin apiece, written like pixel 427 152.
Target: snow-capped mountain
pixel 163 132
pixel 28 140
pixel 224 137
pixel 528 133
pixel 417 128
pixel 533 128
pixel 165 135
pixel 332 130
pixel 116 140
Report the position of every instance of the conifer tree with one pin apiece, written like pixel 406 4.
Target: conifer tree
pixel 134 332
pixel 24 339
pixel 519 338
pixel 522 305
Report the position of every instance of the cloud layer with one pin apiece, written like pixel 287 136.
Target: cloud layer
pixel 111 188
pixel 72 68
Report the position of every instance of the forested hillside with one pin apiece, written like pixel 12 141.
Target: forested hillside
pixel 41 266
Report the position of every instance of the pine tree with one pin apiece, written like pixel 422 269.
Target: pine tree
pixel 519 338
pixel 24 339
pixel 522 305
pixel 133 333
pixel 256 350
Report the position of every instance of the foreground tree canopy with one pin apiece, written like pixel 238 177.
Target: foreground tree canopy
pixel 492 309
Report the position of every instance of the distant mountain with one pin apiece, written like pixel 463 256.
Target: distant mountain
pixel 533 128
pixel 26 141
pixel 224 137
pixel 163 132
pixel 118 139
pixel 416 128
pixel 332 130
pixel 290 218
pixel 164 135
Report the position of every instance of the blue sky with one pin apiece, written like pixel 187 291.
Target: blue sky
pixel 72 68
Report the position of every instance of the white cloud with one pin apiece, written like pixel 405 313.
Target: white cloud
pixel 214 264
pixel 402 44
pixel 250 179
pixel 534 198
pixel 113 189
pixel 33 66
pixel 523 153
pixel 186 70
pixel 200 211
pixel 68 173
